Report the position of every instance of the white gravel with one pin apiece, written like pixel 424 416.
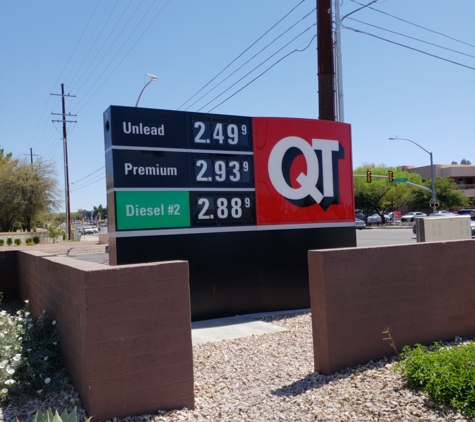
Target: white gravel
pixel 270 378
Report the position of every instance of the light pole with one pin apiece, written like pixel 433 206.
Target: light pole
pixel 152 78
pixel 434 208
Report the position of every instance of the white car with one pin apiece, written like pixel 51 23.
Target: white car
pixel 88 230
pixel 411 216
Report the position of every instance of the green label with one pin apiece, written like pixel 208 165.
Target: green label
pixel 152 210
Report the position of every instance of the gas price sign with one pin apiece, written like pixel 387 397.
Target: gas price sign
pixel 180 170
pixel 170 169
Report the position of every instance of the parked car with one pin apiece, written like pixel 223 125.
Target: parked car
pixel 470 212
pixel 360 224
pixel 374 219
pixel 411 216
pixel 87 230
pixel 361 214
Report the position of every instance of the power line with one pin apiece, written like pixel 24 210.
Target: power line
pixel 412 38
pixel 410 48
pixel 246 62
pixel 264 34
pixel 259 65
pixel 126 54
pixel 85 177
pixel 98 179
pixel 415 24
pixel 265 71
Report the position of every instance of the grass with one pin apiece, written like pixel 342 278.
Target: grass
pixel 447 374
pixel 30 366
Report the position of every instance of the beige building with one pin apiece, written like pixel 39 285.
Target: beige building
pixel 464 175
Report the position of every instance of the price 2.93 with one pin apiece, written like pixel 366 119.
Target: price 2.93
pixel 236 170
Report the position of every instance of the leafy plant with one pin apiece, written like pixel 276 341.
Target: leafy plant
pixel 9 241
pixel 36 240
pixel 2 242
pixel 29 241
pixel 17 242
pixel 30 366
pixel 447 374
pixel 49 416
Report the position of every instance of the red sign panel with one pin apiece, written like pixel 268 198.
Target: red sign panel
pixel 303 171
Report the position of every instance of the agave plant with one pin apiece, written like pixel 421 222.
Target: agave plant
pixel 49 416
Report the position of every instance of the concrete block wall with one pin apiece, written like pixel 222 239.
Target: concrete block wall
pixel 125 331
pixel 424 292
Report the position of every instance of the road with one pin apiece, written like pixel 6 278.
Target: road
pixel 382 237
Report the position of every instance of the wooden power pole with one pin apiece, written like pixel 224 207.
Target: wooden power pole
pixel 65 151
pixel 326 73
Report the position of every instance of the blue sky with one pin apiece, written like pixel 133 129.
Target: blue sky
pixel 101 50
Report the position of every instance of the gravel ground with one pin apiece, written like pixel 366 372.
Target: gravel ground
pixel 270 378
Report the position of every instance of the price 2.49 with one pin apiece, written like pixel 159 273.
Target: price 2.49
pixel 220 134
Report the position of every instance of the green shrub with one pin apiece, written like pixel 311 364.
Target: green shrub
pixel 30 366
pixel 29 241
pixel 49 416
pixel 36 239
pixel 9 241
pixel 2 242
pixel 18 242
pixel 447 374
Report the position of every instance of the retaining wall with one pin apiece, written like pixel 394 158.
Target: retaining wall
pixel 424 292
pixel 125 331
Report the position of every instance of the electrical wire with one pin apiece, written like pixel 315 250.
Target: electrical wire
pixel 410 48
pixel 415 24
pixel 123 58
pixel 89 74
pixel 412 38
pixel 255 55
pixel 247 49
pixel 269 68
pixel 99 179
pixel 85 177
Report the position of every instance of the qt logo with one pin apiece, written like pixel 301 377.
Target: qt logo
pixel 306 174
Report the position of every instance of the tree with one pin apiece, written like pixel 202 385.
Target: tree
pixel 27 191
pixel 446 192
pixel 99 212
pixel 466 162
pixel 381 195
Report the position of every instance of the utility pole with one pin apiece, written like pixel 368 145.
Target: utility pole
pixel 31 155
pixel 326 74
pixel 65 151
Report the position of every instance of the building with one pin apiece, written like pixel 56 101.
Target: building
pixel 464 175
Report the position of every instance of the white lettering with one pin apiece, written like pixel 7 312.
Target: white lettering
pixel 129 210
pixel 141 129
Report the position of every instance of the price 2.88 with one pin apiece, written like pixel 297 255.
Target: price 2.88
pixel 227 209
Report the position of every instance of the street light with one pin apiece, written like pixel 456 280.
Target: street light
pixel 434 208
pixel 152 78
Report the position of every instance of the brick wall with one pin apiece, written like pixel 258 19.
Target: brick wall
pixel 125 331
pixel 425 292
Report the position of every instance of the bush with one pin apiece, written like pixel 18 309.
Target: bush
pixel 30 366
pixel 2 242
pixel 9 241
pixel 447 374
pixel 36 240
pixel 29 241
pixel 18 242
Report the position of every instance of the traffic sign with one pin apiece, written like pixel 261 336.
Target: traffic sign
pixel 400 179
